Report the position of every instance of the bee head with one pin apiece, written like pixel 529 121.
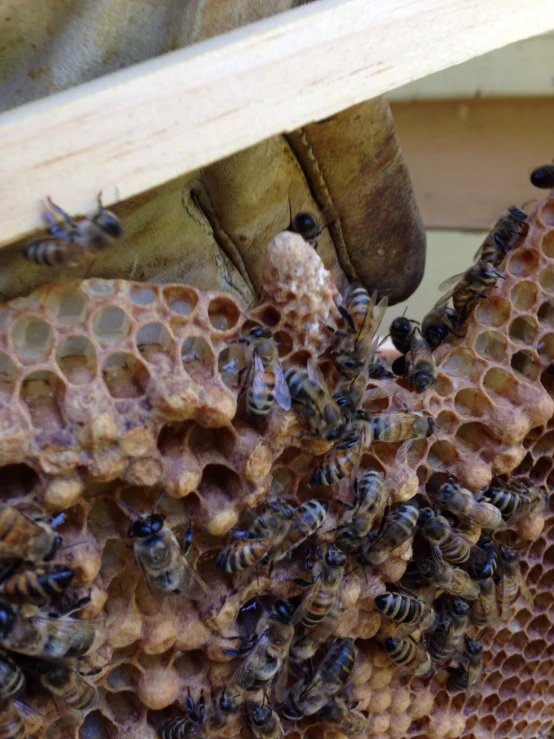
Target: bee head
pixel 459 607
pixel 228 702
pixel 7 619
pixel 334 556
pixel 259 713
pixel 142 528
pixel 400 325
pixel 283 611
pixel 260 332
pixel 306 224
pixel 57 674
pixel 508 554
pixel 472 646
pixel 109 223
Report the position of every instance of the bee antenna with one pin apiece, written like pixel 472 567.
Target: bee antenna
pixel 156 504
pixel 130 507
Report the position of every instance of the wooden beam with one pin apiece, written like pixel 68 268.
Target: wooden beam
pixel 130 131
pixel 470 159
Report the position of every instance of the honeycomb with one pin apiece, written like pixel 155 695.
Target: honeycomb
pixel 118 390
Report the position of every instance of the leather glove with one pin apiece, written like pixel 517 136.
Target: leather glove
pixel 210 227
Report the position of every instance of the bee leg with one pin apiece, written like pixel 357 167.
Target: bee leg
pixel 302 582
pixel 56 208
pixel 73 608
pixel 191 707
pixel 187 541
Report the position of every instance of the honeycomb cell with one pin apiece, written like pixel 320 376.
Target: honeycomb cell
pixel 545 444
pixel 32 339
pixel 229 363
pixel 142 295
pixel 446 422
pixel 443 386
pixel 441 454
pixel 197 358
pixel 270 317
pixel 68 305
pixel 523 329
pixel 546 279
pixel 541 469
pixel 282 480
pixel 180 299
pixel 527 364
pixel 111 325
pixel 491 702
pixel 284 343
pixel 539 627
pixel 471 402
pixel 545 348
pixel 100 288
pixel 123 677
pixel 460 363
pixel 42 392
pixel 523 295
pixel 491 345
pixel 523 262
pixel 154 341
pixel 8 375
pixel 125 707
pixel 494 312
pixel 76 357
pixel 125 375
pixel 97 726
pixel 498 381
pixel 223 314
pixel 475 435
pixel 545 314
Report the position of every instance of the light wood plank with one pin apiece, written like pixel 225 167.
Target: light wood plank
pixel 470 159
pixel 145 125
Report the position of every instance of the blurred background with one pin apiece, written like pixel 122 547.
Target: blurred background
pixel 471 135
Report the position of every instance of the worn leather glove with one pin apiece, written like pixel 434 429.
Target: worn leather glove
pixel 210 227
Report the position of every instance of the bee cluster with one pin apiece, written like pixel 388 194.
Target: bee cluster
pixel 273 531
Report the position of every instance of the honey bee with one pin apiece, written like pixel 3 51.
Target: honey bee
pixel 363 317
pixel 194 725
pixel 164 564
pixel 393 426
pixel 454 547
pixel 324 591
pixel 516 501
pixel 11 677
pixel 411 613
pixel 311 397
pixel 34 541
pixel 253 545
pixel 502 236
pixel 511 583
pixel 306 697
pixel 408 654
pixel 483 562
pixel 41 584
pixel 304 647
pixel 441 321
pixel 24 630
pixel 268 650
pixel 420 573
pixel 484 610
pixel 306 520
pixel 12 724
pixel 67 686
pixel 466 674
pixel 371 492
pixel 305 224
pixel 446 637
pixel 342 716
pixel 453 580
pixel 345 456
pixel 265 381
pixel 422 370
pixel 67 246
pixel 463 504
pixel 397 529
pixel 402 332
pixel 465 289
pixel 263 722
pixel 543 177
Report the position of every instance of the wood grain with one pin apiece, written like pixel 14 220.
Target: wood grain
pixel 470 159
pixel 130 131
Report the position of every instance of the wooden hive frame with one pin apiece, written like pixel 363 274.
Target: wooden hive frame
pixel 204 102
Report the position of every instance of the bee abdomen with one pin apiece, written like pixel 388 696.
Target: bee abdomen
pixel 175 728
pixel 398 607
pixel 47 253
pixel 41 585
pixel 259 404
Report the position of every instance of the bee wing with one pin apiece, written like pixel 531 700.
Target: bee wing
pixel 387 390
pixel 281 391
pixel 306 603
pixel 33 720
pixel 524 591
pixel 450 282
pixel 193 587
pixel 492 513
pixel 280 685
pixel 258 376
pixel 314 373
pixel 246 674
